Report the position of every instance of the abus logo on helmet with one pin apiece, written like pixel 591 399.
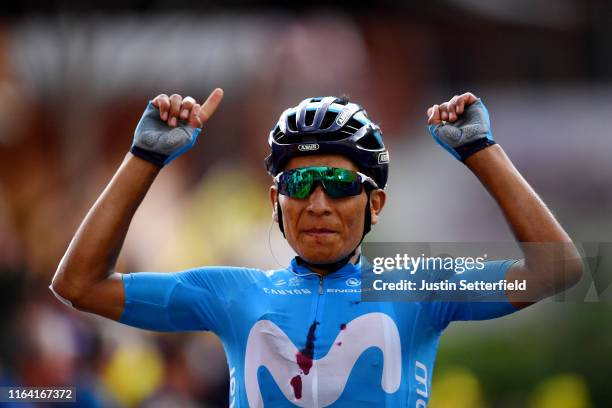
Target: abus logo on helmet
pixel 308 147
pixel 383 157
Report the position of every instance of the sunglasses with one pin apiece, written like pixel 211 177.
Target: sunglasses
pixel 336 182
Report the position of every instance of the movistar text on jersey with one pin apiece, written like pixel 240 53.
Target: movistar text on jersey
pixel 422 262
pixel 446 285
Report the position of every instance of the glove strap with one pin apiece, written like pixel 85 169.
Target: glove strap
pixel 157 159
pixel 469 149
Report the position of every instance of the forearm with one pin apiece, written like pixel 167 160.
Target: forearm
pixel 552 262
pixel 528 216
pixel 93 251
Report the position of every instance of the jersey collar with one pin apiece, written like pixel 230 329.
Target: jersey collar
pixel 348 269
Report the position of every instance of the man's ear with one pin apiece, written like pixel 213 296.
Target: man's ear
pixel 378 198
pixel 273 201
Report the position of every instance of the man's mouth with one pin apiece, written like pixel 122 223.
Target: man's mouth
pixel 319 232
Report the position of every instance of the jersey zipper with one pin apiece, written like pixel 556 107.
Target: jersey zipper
pixel 316 313
pixel 318 319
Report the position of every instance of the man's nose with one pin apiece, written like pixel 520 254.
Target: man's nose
pixel 319 203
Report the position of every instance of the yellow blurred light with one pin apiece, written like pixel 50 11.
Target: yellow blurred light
pixel 561 391
pixel 133 373
pixel 456 387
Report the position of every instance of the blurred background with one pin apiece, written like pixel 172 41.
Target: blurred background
pixel 74 80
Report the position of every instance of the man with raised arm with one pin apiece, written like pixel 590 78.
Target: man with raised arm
pixel 301 335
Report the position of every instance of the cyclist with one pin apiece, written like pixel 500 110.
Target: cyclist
pixel 301 335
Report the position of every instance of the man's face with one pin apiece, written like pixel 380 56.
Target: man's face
pixel 319 228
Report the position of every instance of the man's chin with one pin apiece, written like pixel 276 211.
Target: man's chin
pixel 320 258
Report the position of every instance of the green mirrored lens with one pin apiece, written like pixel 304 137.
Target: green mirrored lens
pixel 296 183
pixel 342 183
pixel 299 183
pixel 337 183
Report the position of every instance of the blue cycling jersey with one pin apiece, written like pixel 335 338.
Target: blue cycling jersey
pixel 294 338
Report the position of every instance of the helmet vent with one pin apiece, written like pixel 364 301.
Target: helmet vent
pixel 280 137
pixel 291 124
pixel 310 114
pixel 370 142
pixel 328 119
pixel 277 133
pixel 354 125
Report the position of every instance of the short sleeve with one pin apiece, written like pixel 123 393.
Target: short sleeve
pixel 481 305
pixel 180 301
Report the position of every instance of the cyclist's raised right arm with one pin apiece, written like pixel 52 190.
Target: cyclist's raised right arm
pixel 85 276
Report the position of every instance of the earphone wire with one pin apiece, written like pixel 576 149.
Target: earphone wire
pixel 270 244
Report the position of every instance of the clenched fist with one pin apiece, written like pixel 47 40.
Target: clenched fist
pixel 170 125
pixel 461 125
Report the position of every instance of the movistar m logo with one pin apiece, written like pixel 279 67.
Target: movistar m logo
pixel 323 383
pixel 308 147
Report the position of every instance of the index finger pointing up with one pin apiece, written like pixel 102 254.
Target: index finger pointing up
pixel 210 106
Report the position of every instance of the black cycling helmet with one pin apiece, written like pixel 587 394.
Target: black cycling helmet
pixel 329 125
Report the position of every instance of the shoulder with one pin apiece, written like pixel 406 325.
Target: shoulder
pixel 214 278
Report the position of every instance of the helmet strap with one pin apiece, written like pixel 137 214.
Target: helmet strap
pixel 280 218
